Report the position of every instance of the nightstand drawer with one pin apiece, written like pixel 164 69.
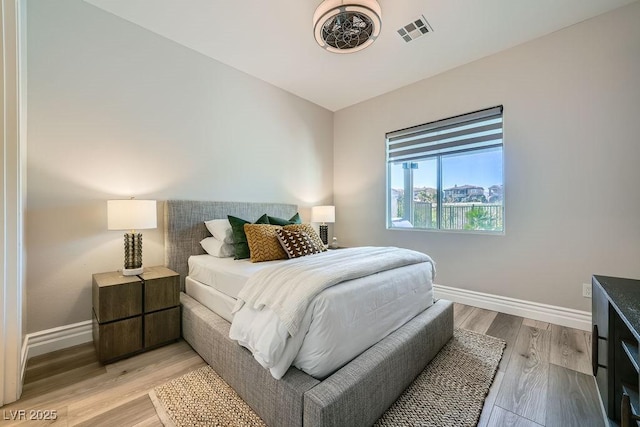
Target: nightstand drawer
pixel 161 289
pixel 161 293
pixel 117 339
pixel 116 296
pixel 161 327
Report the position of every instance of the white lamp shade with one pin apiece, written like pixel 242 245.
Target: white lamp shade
pixel 131 214
pixel 323 214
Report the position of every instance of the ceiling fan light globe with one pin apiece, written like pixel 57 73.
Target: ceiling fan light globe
pixel 349 36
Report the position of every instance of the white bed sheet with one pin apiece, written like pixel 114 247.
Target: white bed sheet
pixel 226 275
pixel 211 298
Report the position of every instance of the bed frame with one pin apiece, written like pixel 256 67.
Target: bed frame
pixel 355 395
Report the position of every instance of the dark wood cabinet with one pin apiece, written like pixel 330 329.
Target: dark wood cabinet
pixel 615 339
pixel 135 313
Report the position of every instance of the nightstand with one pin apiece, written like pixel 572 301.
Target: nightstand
pixel 132 314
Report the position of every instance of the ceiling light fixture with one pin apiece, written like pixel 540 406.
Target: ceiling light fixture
pixel 347 26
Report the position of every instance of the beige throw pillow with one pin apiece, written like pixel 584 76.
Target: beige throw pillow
pixel 263 242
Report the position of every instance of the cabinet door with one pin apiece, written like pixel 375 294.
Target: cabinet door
pixel 161 293
pixel 116 297
pixel 117 339
pixel 600 341
pixel 161 327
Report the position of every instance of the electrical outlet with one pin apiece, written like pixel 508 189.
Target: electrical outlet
pixel 586 290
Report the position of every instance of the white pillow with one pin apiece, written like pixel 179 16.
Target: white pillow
pixel 217 248
pixel 220 229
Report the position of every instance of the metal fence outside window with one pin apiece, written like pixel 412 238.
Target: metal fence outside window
pixel 459 216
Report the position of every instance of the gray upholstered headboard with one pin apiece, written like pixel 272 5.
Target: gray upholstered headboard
pixel 184 225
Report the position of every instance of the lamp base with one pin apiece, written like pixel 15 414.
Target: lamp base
pixel 324 234
pixel 132 271
pixel 132 254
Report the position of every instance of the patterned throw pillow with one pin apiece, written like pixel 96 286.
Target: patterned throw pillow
pixel 263 242
pixel 297 243
pixel 307 228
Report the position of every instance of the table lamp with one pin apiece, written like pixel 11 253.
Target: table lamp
pixel 323 214
pixel 132 215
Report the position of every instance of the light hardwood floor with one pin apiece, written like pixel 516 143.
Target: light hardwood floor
pixel 543 379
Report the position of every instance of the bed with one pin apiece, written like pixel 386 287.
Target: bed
pixel 356 394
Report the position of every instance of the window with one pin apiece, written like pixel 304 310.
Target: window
pixel 447 175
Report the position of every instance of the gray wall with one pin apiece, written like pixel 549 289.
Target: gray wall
pixel 117 111
pixel 571 147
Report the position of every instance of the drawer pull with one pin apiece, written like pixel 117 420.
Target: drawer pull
pixel 595 338
pixel 626 413
pixel 594 350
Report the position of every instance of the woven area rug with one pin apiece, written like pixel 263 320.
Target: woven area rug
pixel 449 392
pixel 452 388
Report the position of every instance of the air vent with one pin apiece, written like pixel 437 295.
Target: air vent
pixel 415 29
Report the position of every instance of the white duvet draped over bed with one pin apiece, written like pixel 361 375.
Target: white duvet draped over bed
pixel 276 307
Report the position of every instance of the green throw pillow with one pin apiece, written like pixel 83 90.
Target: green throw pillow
pixel 239 237
pixel 281 221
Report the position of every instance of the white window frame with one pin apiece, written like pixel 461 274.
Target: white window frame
pixel 466 133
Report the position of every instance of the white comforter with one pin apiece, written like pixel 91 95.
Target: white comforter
pixel 276 307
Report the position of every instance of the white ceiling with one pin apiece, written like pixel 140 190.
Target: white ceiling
pixel 273 39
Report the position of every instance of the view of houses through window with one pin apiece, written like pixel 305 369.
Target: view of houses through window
pixel 472 192
pixel 448 177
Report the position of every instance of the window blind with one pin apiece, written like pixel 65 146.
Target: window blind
pixel 473 131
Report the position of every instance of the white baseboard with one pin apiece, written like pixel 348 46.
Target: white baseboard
pixel 66 336
pixel 547 313
pixel 58 338
pixel 23 359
